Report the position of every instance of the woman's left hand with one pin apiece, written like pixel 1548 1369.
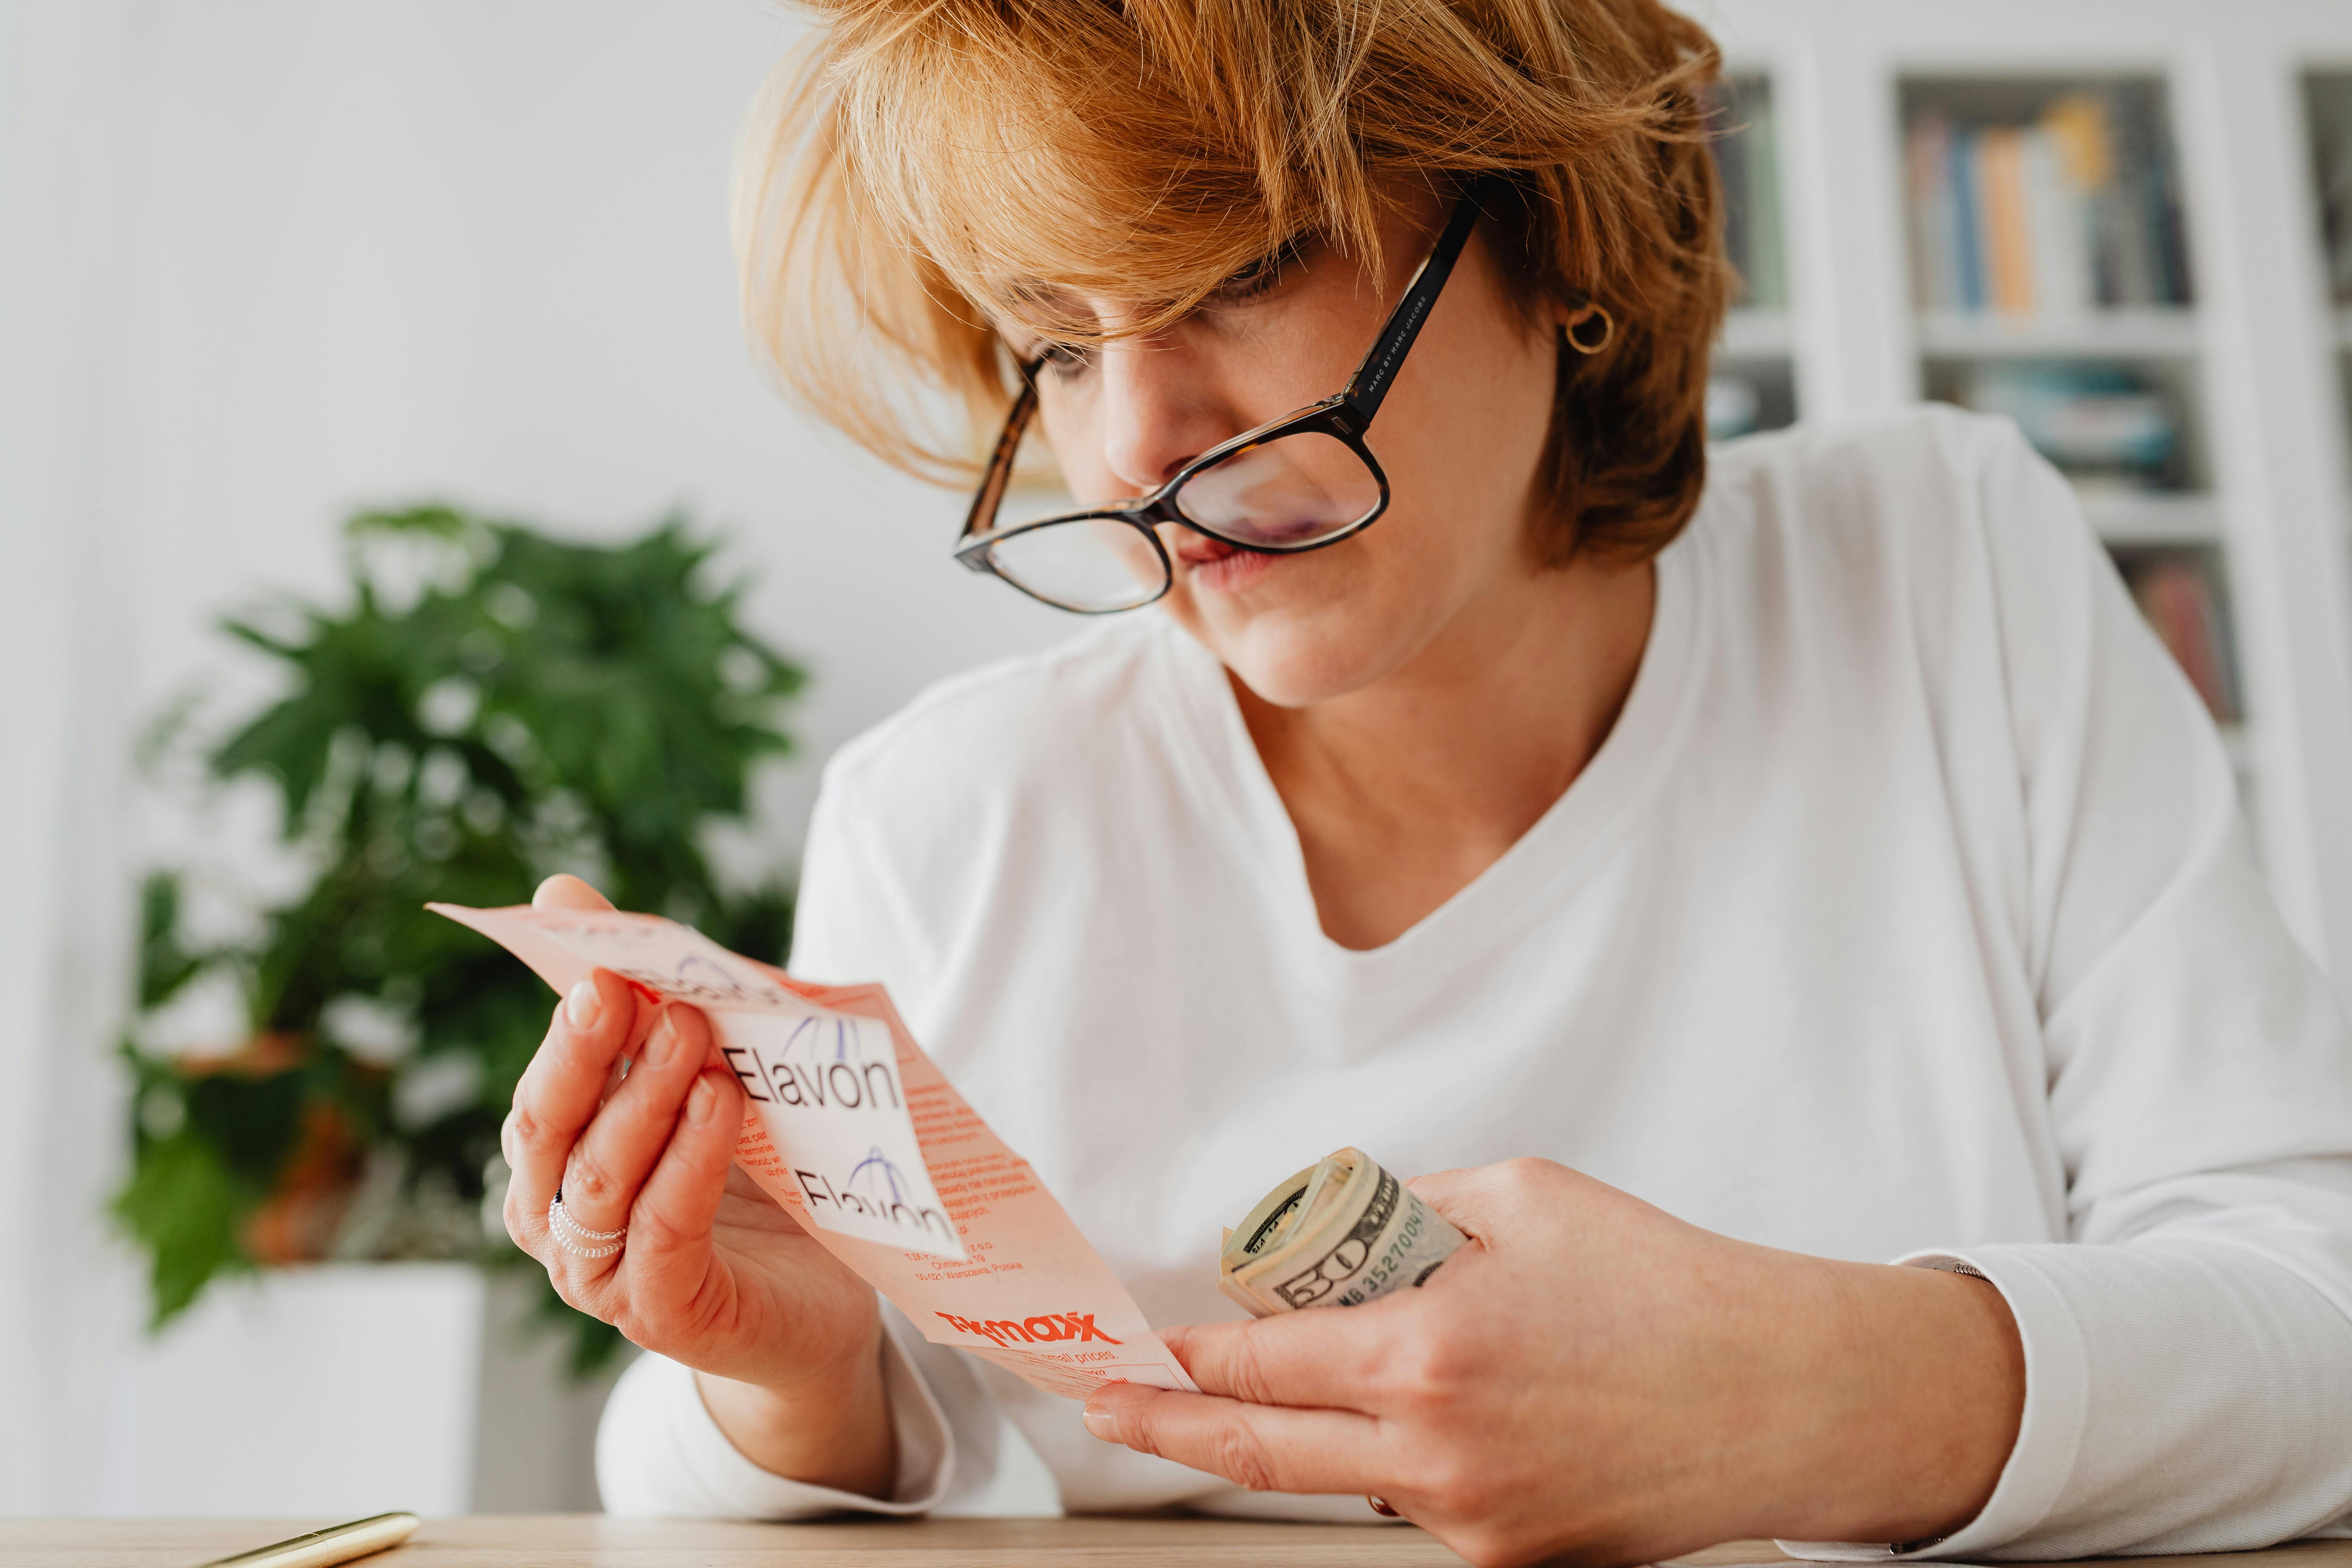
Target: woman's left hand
pixel 1592 1379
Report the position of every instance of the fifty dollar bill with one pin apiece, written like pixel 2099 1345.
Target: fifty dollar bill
pixel 1338 1233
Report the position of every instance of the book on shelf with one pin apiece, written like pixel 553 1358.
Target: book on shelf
pixel 1746 160
pixel 2101 424
pixel 2076 210
pixel 2175 590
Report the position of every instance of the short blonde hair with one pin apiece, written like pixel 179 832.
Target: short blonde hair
pixel 917 158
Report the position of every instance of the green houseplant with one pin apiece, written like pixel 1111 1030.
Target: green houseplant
pixel 494 705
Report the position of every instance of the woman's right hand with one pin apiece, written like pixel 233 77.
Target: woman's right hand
pixel 713 1272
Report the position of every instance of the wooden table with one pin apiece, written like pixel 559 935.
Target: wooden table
pixel 588 1541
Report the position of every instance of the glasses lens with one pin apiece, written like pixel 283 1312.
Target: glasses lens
pixel 1092 563
pixel 1034 488
pixel 1286 492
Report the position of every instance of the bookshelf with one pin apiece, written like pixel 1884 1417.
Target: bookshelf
pixel 2050 281
pixel 2157 294
pixel 1754 385
pixel 2049 274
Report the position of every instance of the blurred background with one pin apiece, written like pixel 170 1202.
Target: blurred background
pixel 389 509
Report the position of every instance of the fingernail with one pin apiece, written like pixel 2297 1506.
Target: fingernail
pixel 702 1102
pixel 583 1006
pixel 661 1042
pixel 1101 1423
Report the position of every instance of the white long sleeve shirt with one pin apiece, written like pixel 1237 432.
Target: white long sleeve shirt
pixel 1904 914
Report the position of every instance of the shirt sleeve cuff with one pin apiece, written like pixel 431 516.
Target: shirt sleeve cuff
pixel 2050 1432
pixel 660 1452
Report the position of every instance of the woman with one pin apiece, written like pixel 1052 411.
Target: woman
pixel 1785 889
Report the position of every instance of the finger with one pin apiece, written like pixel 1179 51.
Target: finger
pixel 600 1020
pixel 1333 1358
pixel 670 1227
pixel 1263 1447
pixel 612 1157
pixel 565 891
pixel 558 1093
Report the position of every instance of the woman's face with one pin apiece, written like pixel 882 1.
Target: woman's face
pixel 1459 435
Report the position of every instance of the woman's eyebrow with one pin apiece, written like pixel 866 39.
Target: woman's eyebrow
pixel 1031 308
pixel 1289 253
pixel 1019 300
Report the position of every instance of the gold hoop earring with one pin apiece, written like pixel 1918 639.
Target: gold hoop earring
pixel 1574 329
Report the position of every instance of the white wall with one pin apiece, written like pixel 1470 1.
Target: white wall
pixel 384 250
pixel 61 151
pixel 265 261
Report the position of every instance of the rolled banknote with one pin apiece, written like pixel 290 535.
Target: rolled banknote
pixel 1338 1233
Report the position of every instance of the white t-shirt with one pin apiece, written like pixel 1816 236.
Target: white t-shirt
pixel 1907 911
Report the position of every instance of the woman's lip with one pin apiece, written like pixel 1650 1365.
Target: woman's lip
pixel 1229 570
pixel 1199 549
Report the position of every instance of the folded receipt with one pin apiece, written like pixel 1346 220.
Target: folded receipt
pixel 859 1136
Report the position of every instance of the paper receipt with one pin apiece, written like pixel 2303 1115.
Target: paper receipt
pixel 861 1137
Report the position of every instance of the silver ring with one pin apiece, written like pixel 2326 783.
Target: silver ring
pixel 571 1234
pixel 559 1215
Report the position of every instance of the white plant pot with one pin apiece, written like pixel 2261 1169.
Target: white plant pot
pixel 350 1389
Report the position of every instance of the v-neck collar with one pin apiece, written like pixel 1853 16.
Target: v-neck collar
pixel 1623 774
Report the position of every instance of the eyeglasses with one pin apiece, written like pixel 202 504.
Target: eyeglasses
pixel 1301 483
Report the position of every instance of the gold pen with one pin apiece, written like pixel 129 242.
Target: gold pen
pixel 323 1547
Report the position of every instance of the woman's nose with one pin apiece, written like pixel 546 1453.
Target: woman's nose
pixel 1159 411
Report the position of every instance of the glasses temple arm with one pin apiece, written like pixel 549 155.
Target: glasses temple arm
pixel 1370 382
pixel 999 473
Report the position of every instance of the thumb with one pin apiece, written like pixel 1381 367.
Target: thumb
pixel 565 891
